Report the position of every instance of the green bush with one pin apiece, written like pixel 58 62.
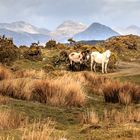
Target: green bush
pixel 50 44
pixel 8 51
pixel 33 53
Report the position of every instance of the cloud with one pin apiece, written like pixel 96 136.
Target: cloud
pixel 50 13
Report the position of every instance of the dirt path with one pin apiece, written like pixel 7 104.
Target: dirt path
pixel 126 69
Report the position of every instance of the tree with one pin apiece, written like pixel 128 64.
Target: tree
pixel 71 41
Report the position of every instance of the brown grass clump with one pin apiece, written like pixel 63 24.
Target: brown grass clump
pixel 124 93
pixel 5 73
pixel 42 131
pixel 111 91
pixel 129 115
pixel 4 100
pixel 89 117
pixel 38 131
pixel 31 74
pixel 10 119
pixel 62 91
pixel 95 82
pixel 16 88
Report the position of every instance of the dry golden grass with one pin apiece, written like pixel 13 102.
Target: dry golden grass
pixel 124 93
pixel 38 131
pixel 16 88
pixel 4 100
pixel 10 119
pixel 95 82
pixel 111 117
pixel 89 117
pixel 5 73
pixel 31 74
pixel 6 138
pixel 62 91
pixel 129 115
pixel 42 131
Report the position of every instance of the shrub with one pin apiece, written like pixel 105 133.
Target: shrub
pixel 33 53
pixel 50 44
pixel 8 51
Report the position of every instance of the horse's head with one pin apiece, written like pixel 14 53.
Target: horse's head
pixel 108 53
pixel 86 55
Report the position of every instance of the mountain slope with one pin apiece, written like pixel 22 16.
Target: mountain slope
pixel 22 26
pixel 96 31
pixel 133 29
pixel 67 29
pixel 24 38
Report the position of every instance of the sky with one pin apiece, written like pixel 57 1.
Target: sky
pixel 51 13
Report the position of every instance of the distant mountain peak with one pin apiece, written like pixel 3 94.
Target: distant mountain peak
pixel 69 23
pixel 96 31
pixel 67 29
pixel 22 26
pixel 132 29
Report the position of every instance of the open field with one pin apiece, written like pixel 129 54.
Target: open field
pixel 45 100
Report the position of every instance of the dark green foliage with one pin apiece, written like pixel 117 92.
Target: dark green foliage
pixel 8 51
pixel 50 44
pixel 33 53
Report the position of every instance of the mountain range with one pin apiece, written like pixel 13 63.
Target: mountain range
pixel 24 33
pixel 133 29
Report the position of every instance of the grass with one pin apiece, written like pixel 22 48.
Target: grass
pixel 133 79
pixel 67 120
pixel 83 115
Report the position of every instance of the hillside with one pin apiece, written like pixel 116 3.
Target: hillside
pixel 41 98
pixel 24 38
pixel 96 31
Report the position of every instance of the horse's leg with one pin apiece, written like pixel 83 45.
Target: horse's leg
pixel 91 65
pixel 81 66
pixel 106 67
pixel 95 66
pixel 102 67
pixel 71 64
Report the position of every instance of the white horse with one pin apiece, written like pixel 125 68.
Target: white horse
pixel 78 57
pixel 100 58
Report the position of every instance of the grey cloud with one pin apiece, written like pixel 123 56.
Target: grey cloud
pixel 53 12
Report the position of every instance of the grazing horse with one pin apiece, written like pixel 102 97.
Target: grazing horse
pixel 78 57
pixel 100 58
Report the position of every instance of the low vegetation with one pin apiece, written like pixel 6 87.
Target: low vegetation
pixel 40 98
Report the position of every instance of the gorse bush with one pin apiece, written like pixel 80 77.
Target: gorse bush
pixel 8 51
pixel 33 53
pixel 51 44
